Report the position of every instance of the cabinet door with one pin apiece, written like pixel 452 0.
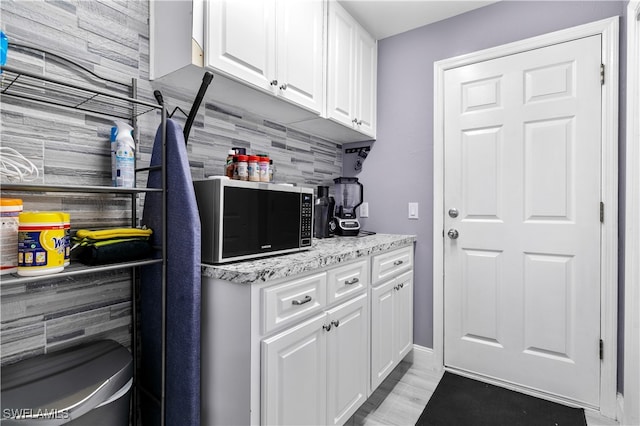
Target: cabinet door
pixel 300 52
pixel 383 318
pixel 404 315
pixel 366 82
pixel 241 40
pixel 341 65
pixel 347 357
pixel 294 368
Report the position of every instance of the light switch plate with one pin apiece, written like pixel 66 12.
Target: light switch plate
pixel 364 209
pixel 413 210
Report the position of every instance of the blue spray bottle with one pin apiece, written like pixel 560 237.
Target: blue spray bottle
pixel 123 156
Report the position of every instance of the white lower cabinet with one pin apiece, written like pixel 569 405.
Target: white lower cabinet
pixel 308 349
pixel 294 375
pixel 347 359
pixel 315 373
pixel 391 325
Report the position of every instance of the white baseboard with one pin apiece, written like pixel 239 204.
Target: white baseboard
pixel 424 358
pixel 620 408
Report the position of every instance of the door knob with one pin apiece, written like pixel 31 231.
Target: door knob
pixel 453 212
pixel 453 233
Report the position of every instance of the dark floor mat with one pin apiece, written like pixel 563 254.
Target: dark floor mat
pixel 460 401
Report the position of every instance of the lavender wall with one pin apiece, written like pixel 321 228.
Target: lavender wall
pixel 399 166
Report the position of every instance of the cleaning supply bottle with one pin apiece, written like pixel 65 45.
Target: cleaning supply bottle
pixel 123 155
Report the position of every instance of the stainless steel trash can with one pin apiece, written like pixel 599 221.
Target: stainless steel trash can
pixel 84 385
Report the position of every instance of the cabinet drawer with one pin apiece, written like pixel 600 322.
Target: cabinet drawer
pixel 389 264
pixel 284 303
pixel 347 280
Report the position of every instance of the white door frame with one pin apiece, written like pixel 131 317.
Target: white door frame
pixel 632 223
pixel 608 28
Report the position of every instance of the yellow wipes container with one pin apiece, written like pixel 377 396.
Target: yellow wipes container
pixel 41 243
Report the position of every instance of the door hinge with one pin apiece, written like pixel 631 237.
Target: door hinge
pixel 601 212
pixel 601 349
pixel 602 74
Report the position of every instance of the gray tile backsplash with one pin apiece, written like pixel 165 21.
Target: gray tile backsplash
pixel 111 38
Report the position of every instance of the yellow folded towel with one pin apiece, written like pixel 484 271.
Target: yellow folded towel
pixel 104 234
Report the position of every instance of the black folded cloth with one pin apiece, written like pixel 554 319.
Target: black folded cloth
pixel 114 252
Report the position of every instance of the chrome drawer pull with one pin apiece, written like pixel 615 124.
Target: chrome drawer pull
pixel 398 263
pixel 306 299
pixel 352 281
pixel 335 323
pixel 326 327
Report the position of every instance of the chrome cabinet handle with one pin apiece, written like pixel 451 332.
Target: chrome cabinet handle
pixel 273 82
pixel 398 262
pixel 326 327
pixel 306 299
pixel 335 323
pixel 354 121
pixel 453 233
pixel 352 281
pixel 283 87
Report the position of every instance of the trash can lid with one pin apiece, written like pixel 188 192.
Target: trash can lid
pixel 65 384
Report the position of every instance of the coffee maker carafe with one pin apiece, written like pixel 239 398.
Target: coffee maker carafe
pixel 348 196
pixel 323 225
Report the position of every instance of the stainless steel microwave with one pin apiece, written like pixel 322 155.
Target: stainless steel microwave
pixel 243 220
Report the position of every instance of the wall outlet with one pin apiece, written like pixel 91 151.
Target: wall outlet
pixel 413 210
pixel 364 209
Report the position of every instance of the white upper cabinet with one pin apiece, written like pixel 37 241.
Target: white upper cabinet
pixel 300 52
pixel 241 40
pixel 366 83
pixel 273 45
pixel 306 64
pixel 352 72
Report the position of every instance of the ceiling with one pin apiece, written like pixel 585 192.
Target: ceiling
pixel 384 18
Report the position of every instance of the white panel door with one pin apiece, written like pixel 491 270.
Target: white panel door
pixel 347 353
pixel 522 168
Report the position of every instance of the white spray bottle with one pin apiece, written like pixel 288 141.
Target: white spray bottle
pixel 123 156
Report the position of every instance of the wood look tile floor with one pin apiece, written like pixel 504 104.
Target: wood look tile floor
pixel 400 399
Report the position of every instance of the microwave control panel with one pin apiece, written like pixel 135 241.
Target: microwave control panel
pixel 306 220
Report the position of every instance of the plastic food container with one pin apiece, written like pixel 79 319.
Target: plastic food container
pixel 41 243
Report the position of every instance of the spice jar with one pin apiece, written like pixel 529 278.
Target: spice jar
pixel 264 168
pixel 228 168
pixel 253 168
pixel 242 167
pixel 272 170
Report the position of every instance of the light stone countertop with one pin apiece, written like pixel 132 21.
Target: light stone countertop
pixel 323 253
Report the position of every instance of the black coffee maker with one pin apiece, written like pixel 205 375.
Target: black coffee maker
pixel 323 222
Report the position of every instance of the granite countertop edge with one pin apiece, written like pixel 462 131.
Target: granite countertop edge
pixel 323 253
